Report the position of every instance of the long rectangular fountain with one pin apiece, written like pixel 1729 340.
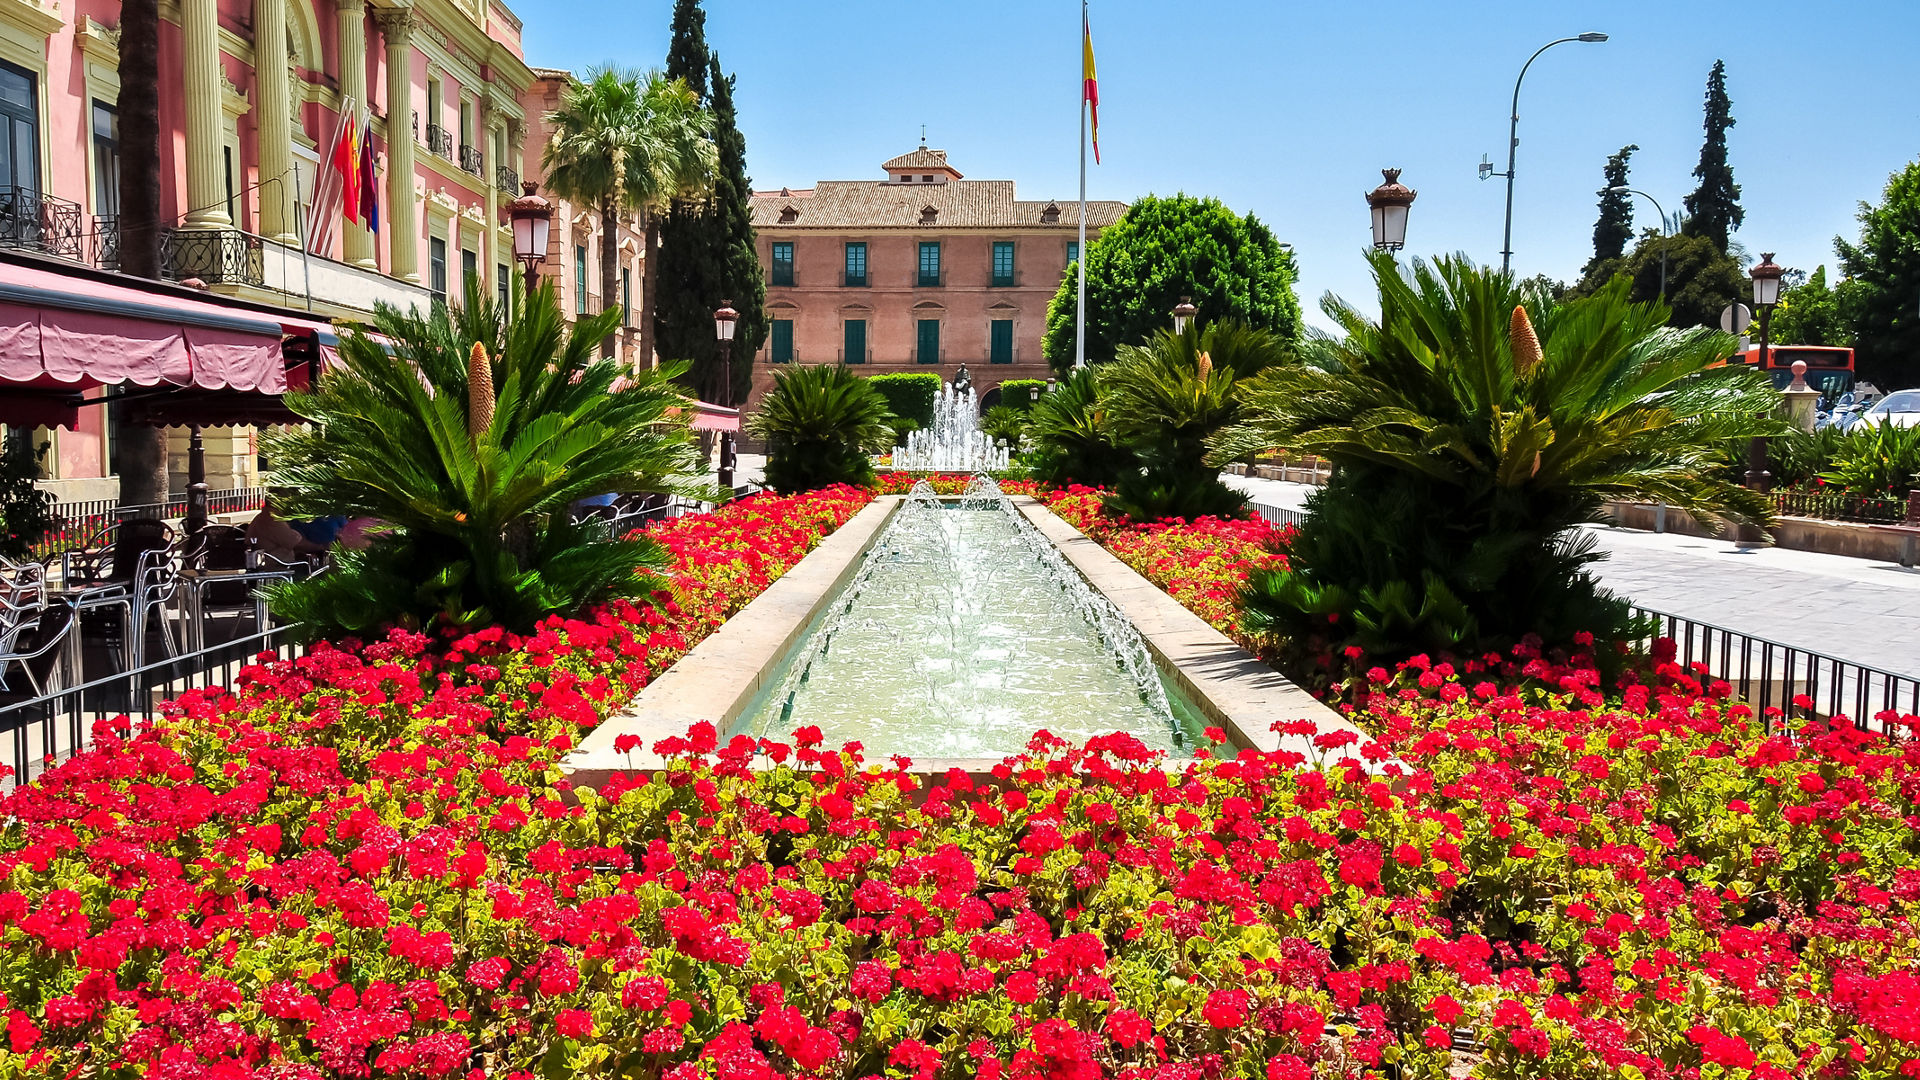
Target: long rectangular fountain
pixel 950 631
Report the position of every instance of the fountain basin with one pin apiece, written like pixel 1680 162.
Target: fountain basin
pixel 727 677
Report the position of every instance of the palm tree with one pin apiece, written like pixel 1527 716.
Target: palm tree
pixel 140 451
pixel 626 143
pixel 1471 427
pixel 821 423
pixel 473 487
pixel 1166 398
pixel 1067 431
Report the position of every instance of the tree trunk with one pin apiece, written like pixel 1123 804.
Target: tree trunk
pixel 609 267
pixel 650 228
pixel 141 452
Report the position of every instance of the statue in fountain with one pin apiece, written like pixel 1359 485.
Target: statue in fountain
pixel 962 382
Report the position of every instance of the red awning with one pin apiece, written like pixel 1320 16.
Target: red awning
pixel 70 333
pixel 710 417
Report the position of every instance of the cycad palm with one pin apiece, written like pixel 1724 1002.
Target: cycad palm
pixel 821 422
pixel 623 143
pixel 1462 463
pixel 474 501
pixel 1067 430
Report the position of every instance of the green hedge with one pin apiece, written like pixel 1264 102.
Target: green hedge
pixel 1022 393
pixel 909 394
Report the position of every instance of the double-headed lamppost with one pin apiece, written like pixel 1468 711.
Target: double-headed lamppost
pixel 1390 202
pixel 1183 313
pixel 1513 140
pixel 1665 235
pixel 724 321
pixel 1766 293
pixel 532 218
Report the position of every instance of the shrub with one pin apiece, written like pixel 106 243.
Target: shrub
pixel 1876 461
pixel 26 512
pixel 1467 440
pixel 909 394
pixel 472 485
pixel 1021 393
pixel 1165 400
pixel 822 424
pixel 1797 457
pixel 1004 422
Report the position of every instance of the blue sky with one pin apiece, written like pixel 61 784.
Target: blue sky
pixel 1289 109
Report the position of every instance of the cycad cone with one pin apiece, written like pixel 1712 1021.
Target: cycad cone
pixel 1205 368
pixel 1526 343
pixel 479 392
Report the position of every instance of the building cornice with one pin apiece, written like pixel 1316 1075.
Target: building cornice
pixel 32 17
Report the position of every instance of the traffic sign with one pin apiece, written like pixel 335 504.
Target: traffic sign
pixel 1735 318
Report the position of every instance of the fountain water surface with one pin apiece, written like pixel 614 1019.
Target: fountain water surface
pixel 963 632
pixel 955 442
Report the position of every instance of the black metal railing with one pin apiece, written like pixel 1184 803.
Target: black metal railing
pixel 74 523
pixel 440 140
pixel 41 732
pixel 506 180
pixel 471 160
pixel 1839 506
pixel 41 222
pixel 1772 675
pixel 215 256
pixel 106 241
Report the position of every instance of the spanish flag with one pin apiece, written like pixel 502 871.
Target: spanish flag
pixel 1092 91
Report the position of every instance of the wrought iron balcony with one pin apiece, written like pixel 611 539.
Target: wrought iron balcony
pixel 215 256
pixel 471 161
pixel 506 180
pixel 30 219
pixel 440 140
pixel 106 241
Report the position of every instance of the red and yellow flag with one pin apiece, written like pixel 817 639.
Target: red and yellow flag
pixel 1092 82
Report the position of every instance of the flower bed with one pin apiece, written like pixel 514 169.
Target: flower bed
pixel 365 863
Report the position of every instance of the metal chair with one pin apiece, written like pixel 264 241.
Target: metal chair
pixel 32 646
pixel 155 584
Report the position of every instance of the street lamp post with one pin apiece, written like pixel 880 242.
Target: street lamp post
pixel 1666 235
pixel 1183 314
pixel 532 218
pixel 1513 141
pixel 724 321
pixel 1390 203
pixel 1766 293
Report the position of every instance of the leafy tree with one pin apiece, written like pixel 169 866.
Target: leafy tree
pixel 1468 437
pixel 473 486
pixel 1614 229
pixel 1165 399
pixel 625 143
pixel 821 423
pixel 1809 314
pixel 1701 278
pixel 1713 210
pixel 26 512
pixel 1881 296
pixel 1160 250
pixel 707 255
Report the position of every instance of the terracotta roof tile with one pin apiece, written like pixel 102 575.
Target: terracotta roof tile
pixel 958 204
pixel 922 158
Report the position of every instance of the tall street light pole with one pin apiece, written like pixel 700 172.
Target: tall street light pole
pixel 1513 141
pixel 723 325
pixel 1766 293
pixel 1665 233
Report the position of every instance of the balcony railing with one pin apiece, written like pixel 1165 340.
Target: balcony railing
pixel 1005 281
pixel 30 219
pixel 506 180
pixel 440 140
pixel 215 256
pixel 471 160
pixel 929 281
pixel 854 281
pixel 106 241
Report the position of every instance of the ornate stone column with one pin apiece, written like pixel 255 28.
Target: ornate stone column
pixel 356 241
pixel 403 239
pixel 200 59
pixel 272 87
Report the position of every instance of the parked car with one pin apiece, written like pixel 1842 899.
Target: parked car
pixel 1900 408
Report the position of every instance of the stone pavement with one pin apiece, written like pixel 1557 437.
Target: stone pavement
pixel 1856 609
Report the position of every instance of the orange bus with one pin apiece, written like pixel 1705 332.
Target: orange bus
pixel 1829 369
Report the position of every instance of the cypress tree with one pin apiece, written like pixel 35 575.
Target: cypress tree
pixel 1713 210
pixel 1614 229
pixel 707 255
pixel 687 54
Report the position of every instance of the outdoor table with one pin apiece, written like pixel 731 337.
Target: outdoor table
pixel 192 606
pixel 87 598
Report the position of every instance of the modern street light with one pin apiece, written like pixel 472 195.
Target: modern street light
pixel 1766 293
pixel 1390 203
pixel 724 321
pixel 1665 234
pixel 1183 313
pixel 532 218
pixel 1513 140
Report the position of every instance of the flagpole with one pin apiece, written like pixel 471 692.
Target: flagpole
pixel 1080 310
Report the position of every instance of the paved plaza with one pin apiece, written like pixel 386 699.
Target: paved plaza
pixel 1861 610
